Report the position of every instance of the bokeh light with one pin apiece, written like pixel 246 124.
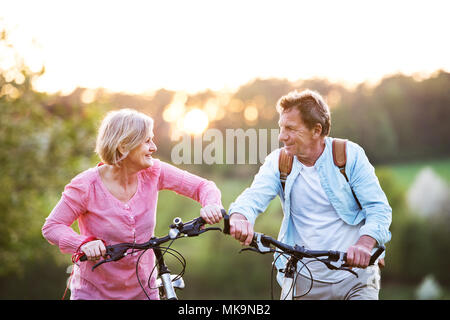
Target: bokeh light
pixel 195 122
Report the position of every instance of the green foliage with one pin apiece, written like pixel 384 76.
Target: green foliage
pixel 40 152
pixel 43 144
pixel 405 173
pixel 418 243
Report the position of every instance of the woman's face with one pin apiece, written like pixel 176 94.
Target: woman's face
pixel 141 156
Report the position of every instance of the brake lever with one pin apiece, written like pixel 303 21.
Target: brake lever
pixel 337 265
pixel 189 229
pixel 113 253
pixel 209 229
pixel 101 262
pixel 192 228
pixel 349 270
pixel 256 250
pixel 257 243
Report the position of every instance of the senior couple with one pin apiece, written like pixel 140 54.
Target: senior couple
pixel 116 202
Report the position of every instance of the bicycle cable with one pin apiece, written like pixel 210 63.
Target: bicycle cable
pixel 272 271
pixel 298 273
pixel 177 255
pixel 137 273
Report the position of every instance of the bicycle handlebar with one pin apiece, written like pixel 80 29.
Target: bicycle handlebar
pixel 177 230
pixel 261 243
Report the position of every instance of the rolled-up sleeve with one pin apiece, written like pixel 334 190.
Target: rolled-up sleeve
pixel 373 200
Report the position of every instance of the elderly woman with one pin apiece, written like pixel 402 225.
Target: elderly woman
pixel 116 202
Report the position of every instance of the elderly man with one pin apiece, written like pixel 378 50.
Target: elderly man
pixel 323 208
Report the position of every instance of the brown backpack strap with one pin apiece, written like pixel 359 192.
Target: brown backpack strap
pixel 284 165
pixel 340 159
pixel 339 154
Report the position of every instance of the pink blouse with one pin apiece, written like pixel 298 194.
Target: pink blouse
pixel 105 217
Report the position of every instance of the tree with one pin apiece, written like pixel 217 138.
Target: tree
pixel 43 143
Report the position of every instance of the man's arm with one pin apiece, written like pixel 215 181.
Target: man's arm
pixel 377 210
pixel 255 199
pixel 365 184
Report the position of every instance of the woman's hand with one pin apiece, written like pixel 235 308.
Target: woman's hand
pixel 94 250
pixel 211 213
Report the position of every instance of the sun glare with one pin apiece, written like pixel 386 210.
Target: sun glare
pixel 195 122
pixel 176 108
pixel 251 114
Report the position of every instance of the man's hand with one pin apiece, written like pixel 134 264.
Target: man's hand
pixel 241 229
pixel 359 254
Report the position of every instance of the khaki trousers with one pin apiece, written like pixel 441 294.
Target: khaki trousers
pixel 365 287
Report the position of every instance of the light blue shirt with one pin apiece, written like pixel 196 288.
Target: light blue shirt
pixel 376 212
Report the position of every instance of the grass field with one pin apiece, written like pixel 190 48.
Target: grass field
pixel 406 173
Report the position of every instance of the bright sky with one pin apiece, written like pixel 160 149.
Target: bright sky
pixel 139 46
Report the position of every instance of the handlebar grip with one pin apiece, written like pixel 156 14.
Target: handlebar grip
pixel 226 221
pixel 375 256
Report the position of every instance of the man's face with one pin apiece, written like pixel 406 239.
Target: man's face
pixel 294 134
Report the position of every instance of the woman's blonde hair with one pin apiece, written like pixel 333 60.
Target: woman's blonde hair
pixel 120 132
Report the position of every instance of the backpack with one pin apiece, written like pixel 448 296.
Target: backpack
pixel 339 157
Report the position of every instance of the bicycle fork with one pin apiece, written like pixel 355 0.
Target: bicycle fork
pixel 166 289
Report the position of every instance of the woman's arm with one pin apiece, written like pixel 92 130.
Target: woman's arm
pixel 187 184
pixel 199 189
pixel 57 227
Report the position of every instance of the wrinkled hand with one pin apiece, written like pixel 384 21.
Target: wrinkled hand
pixel 211 213
pixel 94 250
pixel 241 229
pixel 359 254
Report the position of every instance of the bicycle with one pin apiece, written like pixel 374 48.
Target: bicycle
pixel 166 282
pixel 334 260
